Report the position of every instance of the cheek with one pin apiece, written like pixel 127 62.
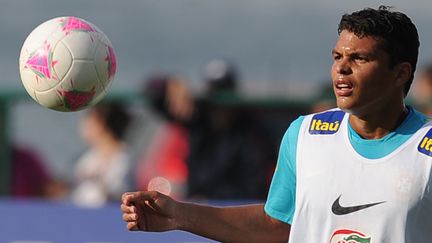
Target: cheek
pixel 369 79
pixel 333 72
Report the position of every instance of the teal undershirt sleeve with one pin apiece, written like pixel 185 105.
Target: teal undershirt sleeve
pixel 281 198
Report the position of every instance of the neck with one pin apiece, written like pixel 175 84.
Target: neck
pixel 378 124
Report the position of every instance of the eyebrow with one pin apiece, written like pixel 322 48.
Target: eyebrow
pixel 355 52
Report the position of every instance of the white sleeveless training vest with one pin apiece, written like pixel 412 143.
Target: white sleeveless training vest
pixel 342 197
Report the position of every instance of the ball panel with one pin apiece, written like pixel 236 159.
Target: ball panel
pixel 81 76
pixel 80 86
pixel 102 37
pixel 72 23
pixel 98 97
pixel 105 64
pixel 38 36
pixel 62 60
pixel 30 90
pixel 36 82
pixel 50 99
pixel 81 44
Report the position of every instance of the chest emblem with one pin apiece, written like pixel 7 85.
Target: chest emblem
pixel 349 236
pixel 425 145
pixel 326 123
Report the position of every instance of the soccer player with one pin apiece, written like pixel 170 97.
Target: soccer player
pixel 358 173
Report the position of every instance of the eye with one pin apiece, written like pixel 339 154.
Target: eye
pixel 336 56
pixel 360 58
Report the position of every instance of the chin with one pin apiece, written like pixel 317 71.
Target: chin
pixel 345 106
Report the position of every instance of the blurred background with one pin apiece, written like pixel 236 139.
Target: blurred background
pixel 199 84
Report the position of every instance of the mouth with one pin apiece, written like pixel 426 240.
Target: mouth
pixel 343 88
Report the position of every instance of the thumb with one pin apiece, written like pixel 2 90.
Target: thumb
pixel 129 198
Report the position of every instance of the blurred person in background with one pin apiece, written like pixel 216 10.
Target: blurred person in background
pixel 31 178
pixel 101 172
pixel 421 97
pixel 230 157
pixel 325 99
pixel 29 173
pixel 160 136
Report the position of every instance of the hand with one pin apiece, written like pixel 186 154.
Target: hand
pixel 149 211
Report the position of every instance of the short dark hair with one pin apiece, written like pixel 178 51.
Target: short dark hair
pixel 396 30
pixel 115 117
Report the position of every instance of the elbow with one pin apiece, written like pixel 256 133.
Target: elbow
pixel 284 233
pixel 281 230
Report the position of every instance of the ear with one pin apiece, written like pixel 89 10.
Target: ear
pixel 403 73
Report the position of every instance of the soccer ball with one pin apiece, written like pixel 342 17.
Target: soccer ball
pixel 67 64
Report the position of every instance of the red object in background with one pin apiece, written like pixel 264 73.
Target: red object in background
pixel 29 177
pixel 166 157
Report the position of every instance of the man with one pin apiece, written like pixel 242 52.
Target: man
pixel 360 173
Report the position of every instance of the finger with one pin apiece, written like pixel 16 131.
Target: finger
pixel 127 209
pixel 142 196
pixel 133 226
pixel 129 198
pixel 126 197
pixel 130 217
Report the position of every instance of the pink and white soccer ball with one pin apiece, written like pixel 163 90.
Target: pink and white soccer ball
pixel 67 64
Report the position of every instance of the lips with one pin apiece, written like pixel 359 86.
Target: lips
pixel 343 87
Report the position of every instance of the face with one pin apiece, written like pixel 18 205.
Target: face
pixel 91 128
pixel 363 81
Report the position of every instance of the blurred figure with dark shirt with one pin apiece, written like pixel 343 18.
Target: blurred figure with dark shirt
pixel 229 156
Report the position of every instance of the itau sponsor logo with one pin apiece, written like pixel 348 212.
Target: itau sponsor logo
pixel 425 145
pixel 349 236
pixel 326 123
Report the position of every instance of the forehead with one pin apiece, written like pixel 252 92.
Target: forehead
pixel 349 42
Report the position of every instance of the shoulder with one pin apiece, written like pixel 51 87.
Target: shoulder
pixel 415 122
pixel 419 117
pixel 293 130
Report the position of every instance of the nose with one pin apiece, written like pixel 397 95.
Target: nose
pixel 342 66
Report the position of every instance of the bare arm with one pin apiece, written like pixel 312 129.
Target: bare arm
pixel 234 224
pixel 152 211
